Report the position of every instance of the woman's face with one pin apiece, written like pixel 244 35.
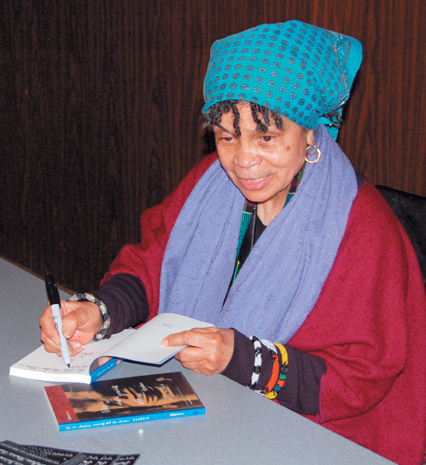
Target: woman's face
pixel 261 164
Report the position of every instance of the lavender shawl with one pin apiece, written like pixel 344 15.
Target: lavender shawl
pixel 282 278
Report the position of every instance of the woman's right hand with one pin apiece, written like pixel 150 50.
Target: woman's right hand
pixel 80 322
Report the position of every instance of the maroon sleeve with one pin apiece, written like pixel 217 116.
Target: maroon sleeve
pixel 302 386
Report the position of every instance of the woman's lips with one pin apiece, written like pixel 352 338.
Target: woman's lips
pixel 255 184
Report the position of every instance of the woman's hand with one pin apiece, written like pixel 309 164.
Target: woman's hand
pixel 210 349
pixel 80 322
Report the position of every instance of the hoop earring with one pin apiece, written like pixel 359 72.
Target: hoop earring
pixel 317 153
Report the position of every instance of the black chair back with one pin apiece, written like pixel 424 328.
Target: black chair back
pixel 410 209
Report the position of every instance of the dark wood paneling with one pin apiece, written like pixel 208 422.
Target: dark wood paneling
pixel 100 111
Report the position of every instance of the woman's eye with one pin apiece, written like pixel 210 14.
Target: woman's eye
pixel 267 138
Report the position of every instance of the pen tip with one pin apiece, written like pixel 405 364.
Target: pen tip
pixel 69 365
pixel 46 269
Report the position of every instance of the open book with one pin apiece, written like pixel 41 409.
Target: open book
pixel 138 345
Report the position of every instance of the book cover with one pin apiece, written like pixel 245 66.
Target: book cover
pixel 125 400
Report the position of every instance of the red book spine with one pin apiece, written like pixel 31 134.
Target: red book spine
pixel 61 405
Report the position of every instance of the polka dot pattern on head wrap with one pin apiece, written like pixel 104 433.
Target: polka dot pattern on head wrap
pixel 301 71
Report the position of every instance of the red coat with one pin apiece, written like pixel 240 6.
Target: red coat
pixel 369 323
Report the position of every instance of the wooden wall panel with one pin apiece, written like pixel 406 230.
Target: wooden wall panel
pixel 100 111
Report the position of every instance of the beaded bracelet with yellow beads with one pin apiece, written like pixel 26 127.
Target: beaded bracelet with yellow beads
pixel 272 394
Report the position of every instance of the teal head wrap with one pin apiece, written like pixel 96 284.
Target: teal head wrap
pixel 302 71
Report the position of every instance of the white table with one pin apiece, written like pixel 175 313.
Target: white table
pixel 239 427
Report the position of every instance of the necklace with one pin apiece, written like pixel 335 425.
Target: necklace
pixel 249 219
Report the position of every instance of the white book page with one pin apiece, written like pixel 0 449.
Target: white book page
pixel 144 345
pixel 46 366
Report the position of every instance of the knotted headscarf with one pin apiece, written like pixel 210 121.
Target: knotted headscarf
pixel 300 70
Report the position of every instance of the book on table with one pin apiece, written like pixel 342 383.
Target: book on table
pixel 125 400
pixel 138 345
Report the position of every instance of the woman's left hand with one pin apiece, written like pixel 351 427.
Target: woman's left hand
pixel 209 352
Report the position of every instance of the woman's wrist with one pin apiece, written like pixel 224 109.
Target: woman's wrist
pixel 240 367
pixel 105 318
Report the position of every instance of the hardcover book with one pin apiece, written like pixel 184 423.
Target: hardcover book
pixel 125 400
pixel 141 345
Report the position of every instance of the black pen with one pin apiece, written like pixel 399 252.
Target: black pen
pixel 55 305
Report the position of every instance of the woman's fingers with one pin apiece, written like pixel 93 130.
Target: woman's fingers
pixel 209 349
pixel 80 322
pixel 196 337
pixel 49 345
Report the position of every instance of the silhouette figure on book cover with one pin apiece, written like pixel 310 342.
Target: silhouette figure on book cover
pixel 130 396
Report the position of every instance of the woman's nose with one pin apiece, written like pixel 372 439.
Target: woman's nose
pixel 247 155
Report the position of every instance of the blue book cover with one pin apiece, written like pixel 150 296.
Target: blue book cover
pixel 125 400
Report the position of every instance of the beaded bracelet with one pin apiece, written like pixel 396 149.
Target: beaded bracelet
pixel 280 384
pixel 103 309
pixel 282 374
pixel 283 351
pixel 272 349
pixel 257 362
pixel 274 377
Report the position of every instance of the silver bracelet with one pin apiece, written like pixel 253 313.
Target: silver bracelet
pixel 103 309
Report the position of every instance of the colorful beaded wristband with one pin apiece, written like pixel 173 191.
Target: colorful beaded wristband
pixel 283 351
pixel 282 373
pixel 272 349
pixel 280 384
pixel 103 309
pixel 257 362
pixel 274 377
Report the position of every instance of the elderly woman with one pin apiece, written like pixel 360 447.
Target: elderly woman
pixel 312 283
